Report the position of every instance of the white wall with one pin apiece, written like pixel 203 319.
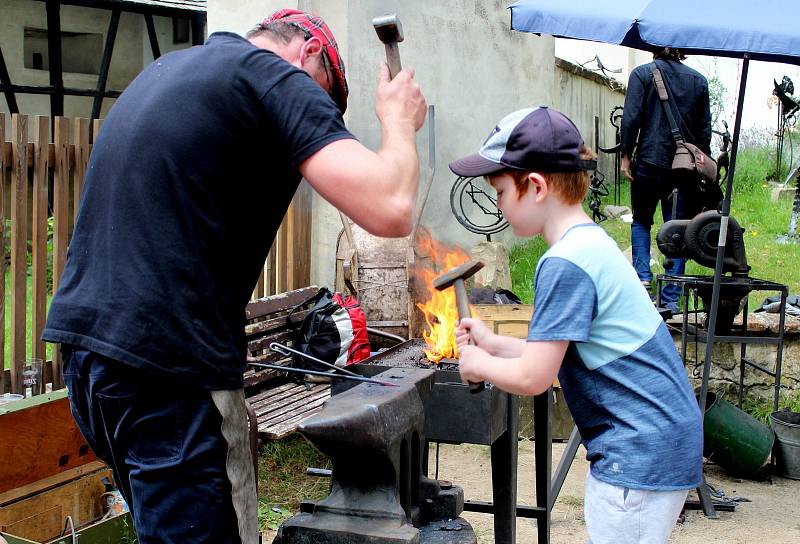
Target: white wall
pixel 468 62
pixel 613 57
pixel 584 97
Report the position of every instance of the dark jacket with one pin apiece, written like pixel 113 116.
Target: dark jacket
pixel 645 128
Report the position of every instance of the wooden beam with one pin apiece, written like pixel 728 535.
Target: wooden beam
pixel 61 219
pixel 19 249
pixel 270 284
pixel 81 147
pixel 49 89
pixel 41 157
pixel 54 53
pixel 151 34
pixel 282 255
pixel 5 79
pixel 102 78
pixel 301 254
pixel 4 160
pixel 165 8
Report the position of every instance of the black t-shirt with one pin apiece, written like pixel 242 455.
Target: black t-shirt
pixel 187 184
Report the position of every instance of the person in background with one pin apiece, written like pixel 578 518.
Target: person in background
pixel 187 184
pixel 648 149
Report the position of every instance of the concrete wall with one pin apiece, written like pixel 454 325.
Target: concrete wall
pixel 131 52
pixel 584 96
pixel 472 68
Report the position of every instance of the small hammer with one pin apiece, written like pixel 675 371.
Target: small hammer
pixel 456 277
pixel 390 32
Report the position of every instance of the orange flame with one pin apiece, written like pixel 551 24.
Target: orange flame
pixel 439 310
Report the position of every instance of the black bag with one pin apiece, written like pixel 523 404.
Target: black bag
pixel 334 330
pixel 705 192
pixel 687 155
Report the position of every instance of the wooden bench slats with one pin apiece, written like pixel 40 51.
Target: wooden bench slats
pixel 271 392
pixel 274 324
pixel 280 407
pixel 282 337
pixel 269 409
pixel 278 303
pixel 251 379
pixel 280 429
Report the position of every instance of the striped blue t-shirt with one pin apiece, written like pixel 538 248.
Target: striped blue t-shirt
pixel 622 377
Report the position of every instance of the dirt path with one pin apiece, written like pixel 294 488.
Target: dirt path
pixel 773 516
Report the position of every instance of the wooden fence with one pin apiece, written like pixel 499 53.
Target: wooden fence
pixel 42 173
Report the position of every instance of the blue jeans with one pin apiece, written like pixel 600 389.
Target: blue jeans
pixel 163 442
pixel 653 185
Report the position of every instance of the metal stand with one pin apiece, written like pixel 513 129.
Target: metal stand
pixel 690 286
pixel 690 332
pixel 504 481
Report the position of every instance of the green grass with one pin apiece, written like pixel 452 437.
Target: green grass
pixel 282 481
pixel 762 219
pixel 28 322
pixel 761 408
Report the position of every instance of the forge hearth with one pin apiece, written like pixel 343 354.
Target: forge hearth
pixel 452 413
pixel 379 492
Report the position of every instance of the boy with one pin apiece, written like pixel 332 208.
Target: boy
pixel 595 327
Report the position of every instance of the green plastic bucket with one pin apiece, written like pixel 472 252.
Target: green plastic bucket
pixel 735 440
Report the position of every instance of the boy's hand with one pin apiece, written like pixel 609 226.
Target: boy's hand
pixel 473 328
pixel 469 363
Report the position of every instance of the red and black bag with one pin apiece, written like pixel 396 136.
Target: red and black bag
pixel 334 330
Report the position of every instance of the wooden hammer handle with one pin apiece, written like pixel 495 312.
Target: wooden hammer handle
pixel 393 59
pixel 462 303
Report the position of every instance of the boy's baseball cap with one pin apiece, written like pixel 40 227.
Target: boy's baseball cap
pixel 313 25
pixel 536 139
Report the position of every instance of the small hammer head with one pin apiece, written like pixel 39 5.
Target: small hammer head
pixel 458 273
pixel 388 28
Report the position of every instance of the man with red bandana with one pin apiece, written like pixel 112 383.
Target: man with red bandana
pixel 187 184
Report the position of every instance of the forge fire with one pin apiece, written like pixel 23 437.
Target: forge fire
pixel 438 307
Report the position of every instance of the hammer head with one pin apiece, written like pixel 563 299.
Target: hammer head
pixel 388 28
pixel 458 273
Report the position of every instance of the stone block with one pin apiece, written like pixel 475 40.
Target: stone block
pixel 616 211
pixel 496 274
pixel 781 193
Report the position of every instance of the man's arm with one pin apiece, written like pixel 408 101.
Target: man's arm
pixel 377 189
pixel 631 121
pixel 632 112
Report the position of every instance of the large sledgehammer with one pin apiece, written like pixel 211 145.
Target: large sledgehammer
pixel 390 32
pixel 456 277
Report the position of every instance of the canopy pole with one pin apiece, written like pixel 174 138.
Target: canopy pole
pixel 723 232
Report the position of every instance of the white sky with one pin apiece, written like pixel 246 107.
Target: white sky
pixel 760 107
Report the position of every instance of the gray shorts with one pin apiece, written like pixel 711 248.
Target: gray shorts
pixel 621 515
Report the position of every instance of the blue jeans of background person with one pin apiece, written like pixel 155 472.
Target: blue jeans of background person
pixel 162 439
pixel 652 185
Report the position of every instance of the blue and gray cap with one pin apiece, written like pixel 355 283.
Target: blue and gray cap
pixel 536 139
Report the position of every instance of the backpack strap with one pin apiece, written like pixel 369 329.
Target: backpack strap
pixel 661 89
pixel 294 325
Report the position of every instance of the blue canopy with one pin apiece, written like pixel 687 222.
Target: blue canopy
pixel 767 30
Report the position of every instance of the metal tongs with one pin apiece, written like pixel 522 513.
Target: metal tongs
pixel 345 374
